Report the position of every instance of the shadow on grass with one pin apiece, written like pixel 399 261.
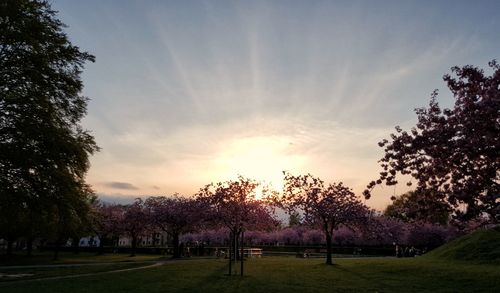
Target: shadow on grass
pixel 219 278
pixel 356 275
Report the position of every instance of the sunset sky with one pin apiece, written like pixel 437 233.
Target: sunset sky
pixel 184 93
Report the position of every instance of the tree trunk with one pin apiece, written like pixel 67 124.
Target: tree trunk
pixel 101 246
pixel 29 247
pixel 134 245
pixel 10 244
pixel 175 243
pixel 329 249
pixel 231 239
pixel 242 253
pixel 76 245
pixel 56 250
pixel 236 247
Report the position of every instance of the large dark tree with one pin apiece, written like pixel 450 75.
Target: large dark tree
pixel 418 207
pixel 453 153
pixel 326 207
pixel 43 149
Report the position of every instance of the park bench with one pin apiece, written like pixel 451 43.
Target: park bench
pixel 252 252
pixel 247 252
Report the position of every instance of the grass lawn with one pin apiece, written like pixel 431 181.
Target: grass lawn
pixel 46 258
pixel 482 246
pixel 285 274
pixel 11 274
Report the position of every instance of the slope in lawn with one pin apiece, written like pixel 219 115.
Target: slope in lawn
pixel 481 246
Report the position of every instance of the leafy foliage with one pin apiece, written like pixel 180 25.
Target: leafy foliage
pixel 136 222
pixel 414 206
pixel 43 149
pixel 235 206
pixel 324 206
pixel 175 215
pixel 107 221
pixel 453 153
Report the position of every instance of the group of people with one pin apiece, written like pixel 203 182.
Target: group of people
pixel 408 251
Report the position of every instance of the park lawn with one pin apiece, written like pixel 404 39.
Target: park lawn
pixel 46 258
pixel 285 274
pixel 15 273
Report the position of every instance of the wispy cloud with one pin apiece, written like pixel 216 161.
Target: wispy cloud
pixel 188 92
pixel 120 185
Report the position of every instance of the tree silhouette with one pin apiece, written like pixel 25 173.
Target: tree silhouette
pixel 414 206
pixel 234 206
pixel 326 207
pixel 175 215
pixel 43 149
pixel 106 222
pixel 135 223
pixel 454 154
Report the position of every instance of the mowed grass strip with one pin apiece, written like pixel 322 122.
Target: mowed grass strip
pixel 17 274
pixel 282 274
pixel 46 258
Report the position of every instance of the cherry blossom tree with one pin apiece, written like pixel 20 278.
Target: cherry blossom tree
pixel 234 205
pixel 106 222
pixel 218 236
pixel 289 236
pixel 344 236
pixel 326 207
pixel 384 231
pixel 314 237
pixel 175 215
pixel 429 235
pixel 453 154
pixel 135 222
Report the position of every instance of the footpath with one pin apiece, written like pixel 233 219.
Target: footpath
pixel 149 264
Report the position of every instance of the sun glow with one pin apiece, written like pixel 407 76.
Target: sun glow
pixel 263 158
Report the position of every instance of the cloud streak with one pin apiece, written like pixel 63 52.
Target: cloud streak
pixel 120 185
pixel 188 92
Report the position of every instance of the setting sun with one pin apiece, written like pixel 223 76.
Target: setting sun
pixel 263 158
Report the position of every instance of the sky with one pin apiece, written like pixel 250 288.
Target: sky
pixel 184 93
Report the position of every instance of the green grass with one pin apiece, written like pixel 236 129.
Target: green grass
pixel 72 258
pixel 9 274
pixel 482 246
pixel 285 274
pixel 42 265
